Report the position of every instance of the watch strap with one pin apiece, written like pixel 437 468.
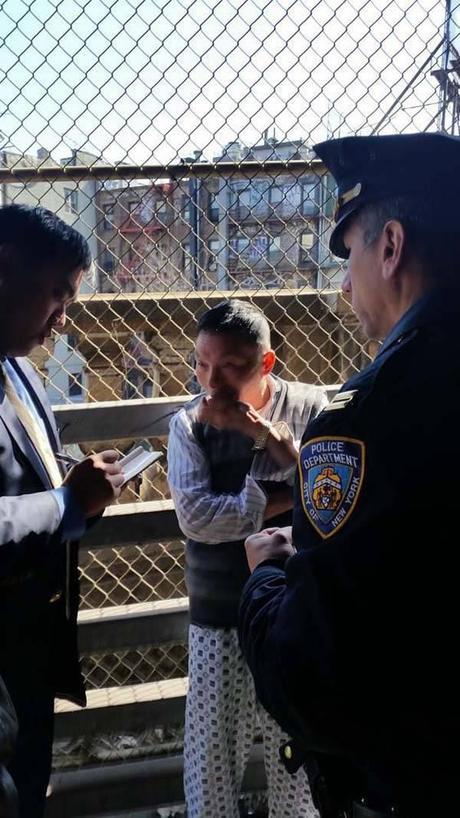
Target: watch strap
pixel 261 440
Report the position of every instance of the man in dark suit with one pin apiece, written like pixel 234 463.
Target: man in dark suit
pixel 42 511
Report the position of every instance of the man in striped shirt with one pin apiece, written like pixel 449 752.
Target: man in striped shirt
pixel 231 463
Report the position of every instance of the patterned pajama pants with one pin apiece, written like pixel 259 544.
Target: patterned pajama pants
pixel 222 719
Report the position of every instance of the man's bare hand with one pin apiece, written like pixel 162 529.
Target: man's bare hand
pixel 96 482
pixel 223 410
pixel 269 544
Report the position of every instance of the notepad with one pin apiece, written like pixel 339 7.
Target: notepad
pixel 136 461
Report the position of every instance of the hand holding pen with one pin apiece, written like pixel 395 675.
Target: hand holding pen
pixel 67 458
pixel 96 480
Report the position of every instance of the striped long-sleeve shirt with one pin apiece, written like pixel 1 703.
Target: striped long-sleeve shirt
pixel 208 516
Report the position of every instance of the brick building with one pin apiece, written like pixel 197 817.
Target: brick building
pixel 142 233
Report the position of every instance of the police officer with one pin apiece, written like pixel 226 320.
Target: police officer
pixel 350 622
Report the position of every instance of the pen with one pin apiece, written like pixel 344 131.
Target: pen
pixel 66 458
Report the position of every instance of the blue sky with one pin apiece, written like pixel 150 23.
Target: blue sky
pixel 152 80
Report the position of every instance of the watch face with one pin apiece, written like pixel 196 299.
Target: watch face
pixel 283 429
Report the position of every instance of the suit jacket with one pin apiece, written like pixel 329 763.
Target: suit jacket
pixel 38 569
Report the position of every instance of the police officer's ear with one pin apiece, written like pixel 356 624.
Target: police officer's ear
pixel 268 361
pixel 393 240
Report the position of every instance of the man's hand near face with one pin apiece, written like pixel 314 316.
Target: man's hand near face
pixel 269 544
pixel 223 410
pixel 96 482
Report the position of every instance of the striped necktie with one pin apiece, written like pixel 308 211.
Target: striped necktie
pixel 35 434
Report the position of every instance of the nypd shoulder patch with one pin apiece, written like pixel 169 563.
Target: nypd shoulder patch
pixel 331 477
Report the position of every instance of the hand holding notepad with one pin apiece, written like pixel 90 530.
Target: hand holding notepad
pixel 131 464
pixel 136 461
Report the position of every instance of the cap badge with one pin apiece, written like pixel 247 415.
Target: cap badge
pixel 346 197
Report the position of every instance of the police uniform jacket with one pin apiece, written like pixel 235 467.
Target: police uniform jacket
pixel 38 569
pixel 353 641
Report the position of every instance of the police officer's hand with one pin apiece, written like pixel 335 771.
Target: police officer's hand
pixel 269 544
pixel 96 482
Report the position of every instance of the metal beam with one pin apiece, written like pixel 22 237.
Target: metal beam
pixel 183 170
pixel 116 420
pixel 175 311
pixel 126 709
pixel 131 785
pixel 134 524
pixel 123 419
pixel 145 623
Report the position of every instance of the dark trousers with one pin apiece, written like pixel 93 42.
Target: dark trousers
pixel 30 766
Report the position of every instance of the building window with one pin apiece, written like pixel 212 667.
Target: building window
pixel 254 194
pixel 137 384
pixel 309 197
pixel 186 210
pixel 287 195
pixel 292 194
pixel 76 385
pixel 274 247
pixel 160 207
pixel 108 211
pixel 70 200
pixel 276 194
pixel 108 262
pixel 147 387
pixel 239 247
pixel 213 209
pixel 214 249
pixel 306 251
pixel 187 260
pixel 249 250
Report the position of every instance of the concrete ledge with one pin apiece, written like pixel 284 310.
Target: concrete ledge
pixel 134 524
pixel 123 419
pixel 130 785
pixel 124 626
pixel 177 311
pixel 123 709
pixel 116 420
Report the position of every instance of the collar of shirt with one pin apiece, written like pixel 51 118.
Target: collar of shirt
pixel 427 309
pixel 24 394
pixel 273 387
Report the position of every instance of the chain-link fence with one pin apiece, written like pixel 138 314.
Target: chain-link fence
pixel 237 93
pixel 177 137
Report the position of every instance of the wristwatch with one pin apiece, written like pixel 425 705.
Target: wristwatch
pixel 261 440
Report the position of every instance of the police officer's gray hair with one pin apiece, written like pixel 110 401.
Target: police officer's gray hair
pixel 431 233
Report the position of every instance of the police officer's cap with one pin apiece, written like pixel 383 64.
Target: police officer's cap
pixel 369 169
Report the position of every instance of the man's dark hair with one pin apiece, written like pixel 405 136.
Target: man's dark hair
pixel 36 238
pixel 237 318
pixel 432 236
